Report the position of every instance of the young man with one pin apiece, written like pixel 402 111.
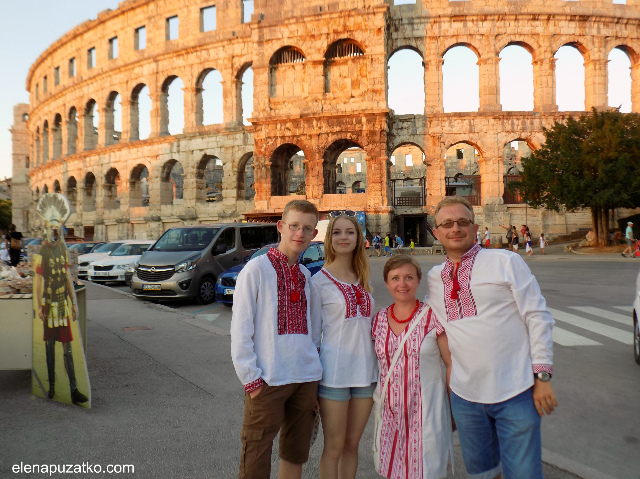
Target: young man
pixel 499 332
pixel 376 243
pixel 628 236
pixel 274 347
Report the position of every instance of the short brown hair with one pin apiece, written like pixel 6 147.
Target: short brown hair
pixel 398 260
pixel 454 200
pixel 302 206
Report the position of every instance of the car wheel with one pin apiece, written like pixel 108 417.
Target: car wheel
pixel 636 340
pixel 206 291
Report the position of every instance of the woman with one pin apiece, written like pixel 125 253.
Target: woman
pixel 487 238
pixel 347 355
pixel 415 420
pixel 528 246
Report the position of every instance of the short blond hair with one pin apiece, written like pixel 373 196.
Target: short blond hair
pixel 454 200
pixel 398 260
pixel 302 206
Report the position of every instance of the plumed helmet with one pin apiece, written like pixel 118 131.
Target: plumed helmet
pixel 54 208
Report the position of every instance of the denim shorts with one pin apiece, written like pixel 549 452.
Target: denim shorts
pixel 344 394
pixel 500 437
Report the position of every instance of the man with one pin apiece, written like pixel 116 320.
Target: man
pixel 499 333
pixel 628 236
pixel 509 235
pixel 376 243
pixel 387 248
pixel 15 244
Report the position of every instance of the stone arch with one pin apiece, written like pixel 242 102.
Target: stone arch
pixel 209 177
pixel 461 78
pixel 407 171
pixel 139 92
pixel 284 179
pixel 516 77
pixel 631 52
pixel 56 187
pixel 342 68
pixel 89 192
pixel 287 73
pixel 209 98
pixel 407 46
pixel 334 170
pixel 45 189
pixel 358 187
pixel 579 43
pixel 528 43
pixel 455 42
pixel 171 182
pixel 244 94
pixel 113 124
pixel 91 121
pixel 45 142
pixel 72 192
pixel 404 74
pixel 111 186
pixel 72 130
pixel 171 111
pixel 620 87
pixel 37 193
pixel 246 175
pixel 462 171
pixel 57 136
pixel 139 186
pixel 569 76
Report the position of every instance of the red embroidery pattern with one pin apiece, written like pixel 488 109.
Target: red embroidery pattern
pixel 292 315
pixel 543 368
pixel 464 305
pixel 253 385
pixel 357 299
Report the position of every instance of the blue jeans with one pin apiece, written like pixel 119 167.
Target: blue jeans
pixel 500 437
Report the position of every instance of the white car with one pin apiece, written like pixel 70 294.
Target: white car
pixel 636 323
pixel 101 252
pixel 113 267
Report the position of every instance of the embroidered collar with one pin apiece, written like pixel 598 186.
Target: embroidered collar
pixel 469 255
pixel 357 299
pixel 276 255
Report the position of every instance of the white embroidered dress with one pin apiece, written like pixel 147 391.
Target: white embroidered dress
pixel 416 439
pixel 346 352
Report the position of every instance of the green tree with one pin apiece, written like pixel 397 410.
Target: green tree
pixel 5 214
pixel 590 162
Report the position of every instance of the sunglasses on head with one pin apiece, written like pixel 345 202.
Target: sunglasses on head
pixel 335 214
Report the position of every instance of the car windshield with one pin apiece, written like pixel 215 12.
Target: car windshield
pixel 185 239
pixel 130 249
pixel 81 248
pixel 107 248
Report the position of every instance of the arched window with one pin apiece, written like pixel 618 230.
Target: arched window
pixel 72 130
pixel 343 161
pixel 287 171
pixel 209 100
pixel 139 186
pixel 45 142
pixel 91 124
pixel 89 193
pixel 340 75
pixel 405 82
pixel 57 136
pixel 619 76
pixel 516 79
pixel 209 176
pixel 171 188
pixel 111 185
pixel 172 107
pixel 72 192
pixel 460 80
pixel 570 90
pixel 246 175
pixel 244 94
pixel 140 113
pixel 113 119
pixel 462 174
pixel 287 74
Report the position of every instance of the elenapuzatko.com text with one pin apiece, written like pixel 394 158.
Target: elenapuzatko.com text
pixel 84 468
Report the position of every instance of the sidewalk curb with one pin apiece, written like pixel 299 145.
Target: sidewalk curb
pixel 569 465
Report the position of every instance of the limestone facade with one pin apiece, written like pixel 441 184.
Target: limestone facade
pixel 319 88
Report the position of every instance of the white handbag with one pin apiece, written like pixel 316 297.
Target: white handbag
pixel 379 394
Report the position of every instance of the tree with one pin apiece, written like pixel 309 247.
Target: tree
pixel 5 214
pixel 592 162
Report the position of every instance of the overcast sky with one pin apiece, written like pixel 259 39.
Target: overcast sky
pixel 28 27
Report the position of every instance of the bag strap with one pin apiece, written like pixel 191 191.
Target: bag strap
pixel 396 356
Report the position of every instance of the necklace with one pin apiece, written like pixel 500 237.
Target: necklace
pixel 410 316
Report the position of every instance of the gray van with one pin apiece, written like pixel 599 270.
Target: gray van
pixel 186 261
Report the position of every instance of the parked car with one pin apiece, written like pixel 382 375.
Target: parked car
pixel 100 252
pixel 186 261
pixel 85 248
pixel 312 258
pixel 112 268
pixel 636 323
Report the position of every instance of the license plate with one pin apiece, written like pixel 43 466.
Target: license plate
pixel 101 273
pixel 228 291
pixel 151 287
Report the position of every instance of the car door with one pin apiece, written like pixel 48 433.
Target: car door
pixel 225 251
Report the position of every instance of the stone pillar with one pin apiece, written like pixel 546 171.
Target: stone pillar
pixel 544 84
pixel 595 79
pixel 491 182
pixel 106 127
pixel 314 175
pixel 635 88
pixel 231 101
pixel 159 112
pixel 190 108
pixel 125 107
pixel 433 85
pixel 434 172
pixel 80 128
pixel 489 84
pixel 377 182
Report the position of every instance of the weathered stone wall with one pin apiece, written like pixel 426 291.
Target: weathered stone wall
pixel 320 86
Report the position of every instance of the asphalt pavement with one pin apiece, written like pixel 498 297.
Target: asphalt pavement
pixel 166 400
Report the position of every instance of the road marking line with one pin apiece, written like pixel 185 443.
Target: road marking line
pixel 593 326
pixel 627 309
pixel 567 338
pixel 209 317
pixel 603 313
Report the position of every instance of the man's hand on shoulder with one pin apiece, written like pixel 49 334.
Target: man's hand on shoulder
pixel 544 398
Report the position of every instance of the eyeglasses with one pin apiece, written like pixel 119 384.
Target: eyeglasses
pixel 335 214
pixel 305 229
pixel 462 223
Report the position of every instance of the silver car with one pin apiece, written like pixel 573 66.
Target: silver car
pixel 186 261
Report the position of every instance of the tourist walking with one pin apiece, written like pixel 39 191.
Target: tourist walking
pixel 487 238
pixel 500 335
pixel 514 240
pixel 509 236
pixel 543 243
pixel 15 244
pixel 628 236
pixel 377 239
pixel 349 366
pixel 528 246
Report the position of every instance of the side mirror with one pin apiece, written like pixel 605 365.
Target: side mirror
pixel 219 249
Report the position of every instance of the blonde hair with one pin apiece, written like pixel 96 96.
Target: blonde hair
pixel 359 261
pixel 399 260
pixel 302 206
pixel 454 200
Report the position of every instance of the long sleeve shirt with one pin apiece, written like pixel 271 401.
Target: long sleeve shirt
pixel 273 338
pixel 497 323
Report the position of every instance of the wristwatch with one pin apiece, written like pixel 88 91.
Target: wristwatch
pixel 543 376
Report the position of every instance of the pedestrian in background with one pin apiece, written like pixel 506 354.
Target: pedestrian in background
pixel 399 244
pixel 487 238
pixel 514 240
pixel 15 244
pixel 367 245
pixel 412 245
pixel 543 242
pixel 509 236
pixel 528 248
pixel 387 241
pixel 377 239
pixel 628 236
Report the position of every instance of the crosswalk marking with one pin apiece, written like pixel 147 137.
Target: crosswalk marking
pixel 593 326
pixel 626 309
pixel 603 313
pixel 567 338
pixel 210 317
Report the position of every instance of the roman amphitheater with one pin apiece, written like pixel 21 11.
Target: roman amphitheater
pixel 319 70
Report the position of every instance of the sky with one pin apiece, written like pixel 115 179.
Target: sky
pixel 28 27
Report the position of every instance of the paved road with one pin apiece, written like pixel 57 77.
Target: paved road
pixel 166 398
